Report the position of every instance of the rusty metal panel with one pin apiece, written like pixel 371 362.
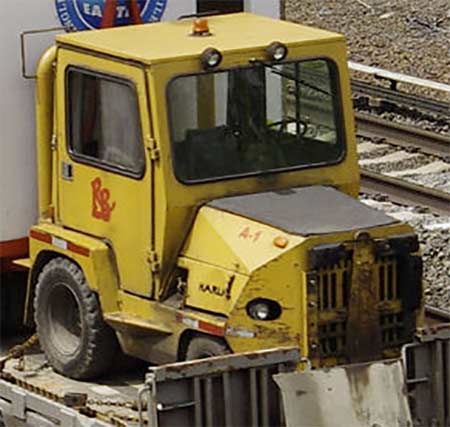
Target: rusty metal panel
pixel 232 390
pixel 363 325
pixel 359 395
pixel 428 376
pixel 230 363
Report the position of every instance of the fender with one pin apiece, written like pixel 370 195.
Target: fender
pixel 94 256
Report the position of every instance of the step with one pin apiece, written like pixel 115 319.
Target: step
pixel 126 322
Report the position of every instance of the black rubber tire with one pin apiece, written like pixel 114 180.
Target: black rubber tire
pixel 72 333
pixel 201 347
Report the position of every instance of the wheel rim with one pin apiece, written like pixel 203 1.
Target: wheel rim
pixel 64 319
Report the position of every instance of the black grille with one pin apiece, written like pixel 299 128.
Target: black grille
pixel 332 338
pixel 392 329
pixel 387 279
pixel 333 288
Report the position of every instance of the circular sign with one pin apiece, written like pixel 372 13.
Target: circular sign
pixel 88 14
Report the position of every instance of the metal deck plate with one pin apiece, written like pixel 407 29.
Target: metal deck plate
pixel 305 210
pixel 363 395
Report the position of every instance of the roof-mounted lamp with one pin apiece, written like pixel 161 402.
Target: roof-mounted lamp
pixel 276 51
pixel 210 58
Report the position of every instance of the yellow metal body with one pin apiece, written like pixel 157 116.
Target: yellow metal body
pixel 44 130
pixel 263 270
pixel 131 197
pixel 159 226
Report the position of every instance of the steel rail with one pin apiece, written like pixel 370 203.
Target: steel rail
pixel 402 98
pixel 395 77
pixel 403 135
pixel 404 192
pixel 437 314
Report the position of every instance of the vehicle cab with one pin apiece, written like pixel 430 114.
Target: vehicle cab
pixel 195 165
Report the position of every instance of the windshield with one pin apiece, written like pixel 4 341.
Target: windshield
pixel 254 120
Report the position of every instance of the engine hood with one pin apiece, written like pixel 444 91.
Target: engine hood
pixel 255 245
pixel 305 211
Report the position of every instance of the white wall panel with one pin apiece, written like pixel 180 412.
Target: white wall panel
pixel 269 8
pixel 17 123
pixel 18 198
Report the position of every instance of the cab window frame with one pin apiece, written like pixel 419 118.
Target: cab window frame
pixel 338 107
pixel 91 160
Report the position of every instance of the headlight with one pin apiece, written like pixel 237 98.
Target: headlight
pixel 263 309
pixel 210 58
pixel 276 51
pixel 259 311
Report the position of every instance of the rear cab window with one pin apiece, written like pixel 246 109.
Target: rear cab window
pixel 103 122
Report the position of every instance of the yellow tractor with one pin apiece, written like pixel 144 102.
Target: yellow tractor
pixel 198 185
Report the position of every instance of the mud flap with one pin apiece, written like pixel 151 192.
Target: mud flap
pixel 360 395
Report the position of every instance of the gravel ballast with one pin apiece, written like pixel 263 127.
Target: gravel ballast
pixel 407 36
pixel 434 237
pixel 417 168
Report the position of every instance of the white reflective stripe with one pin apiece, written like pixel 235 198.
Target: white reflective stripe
pixel 238 332
pixel 399 77
pixel 59 243
pixel 192 323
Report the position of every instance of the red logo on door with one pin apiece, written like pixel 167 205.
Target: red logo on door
pixel 101 206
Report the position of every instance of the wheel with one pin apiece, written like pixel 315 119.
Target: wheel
pixel 203 347
pixel 72 333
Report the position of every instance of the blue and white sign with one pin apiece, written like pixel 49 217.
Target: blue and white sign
pixel 88 14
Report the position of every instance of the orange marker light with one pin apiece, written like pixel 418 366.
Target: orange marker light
pixel 200 27
pixel 280 242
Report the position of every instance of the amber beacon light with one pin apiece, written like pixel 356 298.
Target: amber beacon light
pixel 200 27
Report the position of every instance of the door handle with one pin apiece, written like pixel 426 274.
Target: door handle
pixel 66 171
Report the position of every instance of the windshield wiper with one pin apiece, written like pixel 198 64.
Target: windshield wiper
pixel 290 77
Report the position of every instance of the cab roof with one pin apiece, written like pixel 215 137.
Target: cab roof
pixel 160 42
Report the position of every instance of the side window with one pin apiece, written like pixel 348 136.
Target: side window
pixel 103 121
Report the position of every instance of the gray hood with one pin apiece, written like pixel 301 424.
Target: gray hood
pixel 305 211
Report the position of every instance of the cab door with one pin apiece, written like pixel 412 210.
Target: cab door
pixel 104 169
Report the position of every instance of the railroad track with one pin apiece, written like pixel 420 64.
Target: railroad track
pixel 404 192
pixel 435 315
pixel 407 138
pixel 402 135
pixel 401 98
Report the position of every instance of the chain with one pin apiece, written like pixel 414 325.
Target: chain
pixel 18 351
pixel 120 420
pixel 117 420
pixel 130 404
